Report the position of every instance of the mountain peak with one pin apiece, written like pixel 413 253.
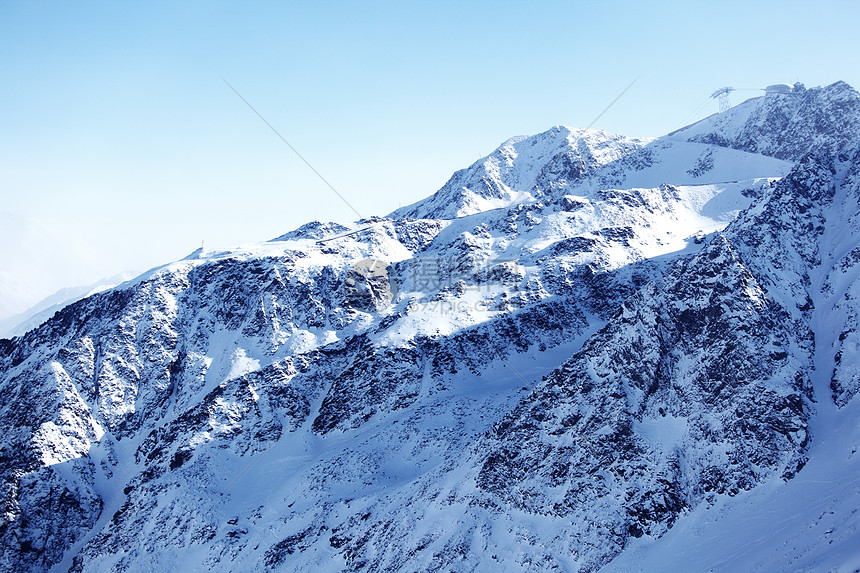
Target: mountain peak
pixel 515 170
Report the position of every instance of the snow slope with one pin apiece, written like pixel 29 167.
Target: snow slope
pixel 809 523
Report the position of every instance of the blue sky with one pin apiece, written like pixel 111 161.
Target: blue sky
pixel 121 148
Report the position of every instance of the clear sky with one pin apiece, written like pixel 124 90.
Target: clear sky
pixel 121 148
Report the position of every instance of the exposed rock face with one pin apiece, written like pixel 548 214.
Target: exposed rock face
pixel 574 342
pixel 688 392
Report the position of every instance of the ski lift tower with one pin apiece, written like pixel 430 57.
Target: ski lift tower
pixel 722 96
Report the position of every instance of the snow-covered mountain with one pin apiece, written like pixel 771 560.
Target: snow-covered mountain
pixel 584 351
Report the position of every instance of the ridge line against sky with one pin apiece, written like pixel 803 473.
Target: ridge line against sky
pixel 121 148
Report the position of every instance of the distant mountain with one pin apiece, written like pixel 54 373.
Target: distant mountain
pixel 44 309
pixel 585 351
